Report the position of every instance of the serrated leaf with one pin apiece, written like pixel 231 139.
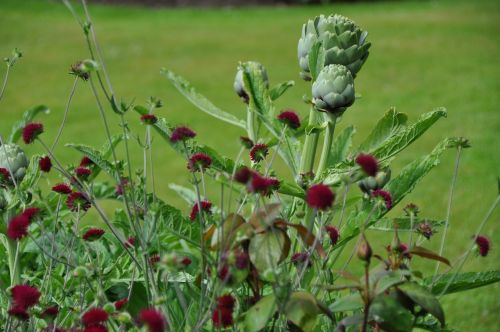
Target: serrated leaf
pixel 278 90
pixel 341 145
pixel 404 223
pixel 97 158
pixel 28 116
pixel 461 282
pixel 391 123
pixel 201 101
pixel 107 148
pixel 257 317
pixel 32 174
pixel 424 298
pixel 256 87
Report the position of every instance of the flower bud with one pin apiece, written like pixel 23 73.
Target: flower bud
pixel 239 83
pixel 124 317
pixel 13 159
pixel 333 90
pixel 109 308
pixel 364 250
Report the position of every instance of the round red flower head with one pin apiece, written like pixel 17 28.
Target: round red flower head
pixel 333 233
pixel 83 172
pixel 19 313
pixel 25 296
pixel 5 178
pixel 45 164
pixel 96 328
pixel 262 185
pixel 301 258
pixel 483 245
pixel 153 259
pixel 186 261
pixel 149 119
pixel 259 152
pixel 243 175
pixel 78 200
pixel 18 227
pixel 199 161
pixel 62 188
pixel 86 161
pixel 206 207
pixel 94 316
pixel 153 319
pixel 290 118
pixel 181 134
pixel 31 131
pixel 386 196
pixel 93 234
pixel 320 196
pixel 246 142
pixel 50 312
pixel 368 163
pixel 121 303
pixel 226 301
pixel 31 213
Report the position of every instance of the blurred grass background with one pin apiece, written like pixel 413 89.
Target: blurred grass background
pixel 425 54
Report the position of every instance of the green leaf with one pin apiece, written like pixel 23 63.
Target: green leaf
pixel 107 149
pixel 185 193
pixel 302 310
pixel 104 190
pixel 316 59
pixel 291 189
pixel 256 87
pixel 97 158
pixel 350 302
pixel 461 282
pixel 257 317
pixel 266 249
pixel 424 298
pixel 403 138
pixel 200 101
pixel 280 89
pixel 138 298
pixel 32 174
pixel 390 315
pixel 341 146
pixel 404 224
pixel 391 123
pixel 28 116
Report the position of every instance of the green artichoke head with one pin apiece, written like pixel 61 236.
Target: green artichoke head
pixel 343 41
pixel 333 90
pixel 239 86
pixel 12 158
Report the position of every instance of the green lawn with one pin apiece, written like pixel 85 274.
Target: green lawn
pixel 424 54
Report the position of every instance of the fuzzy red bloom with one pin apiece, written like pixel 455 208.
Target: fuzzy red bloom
pixel 149 119
pixel 333 232
pixel 94 316
pixel 243 175
pixel 62 188
pixel 153 259
pixel 121 303
pixel 241 261
pixel 206 207
pixel 86 161
pixel 226 301
pixel 31 131
pixel 483 244
pixel 120 187
pixel 246 142
pixel 31 213
pixel 78 199
pixel 96 328
pixel 18 227
pixel 222 318
pixel 153 319
pixel 130 241
pixel 199 161
pixel 83 172
pixel 301 258
pixel 259 152
pixel 5 178
pixel 290 118
pixel 368 163
pixel 181 134
pixel 93 234
pixel 25 296
pixel 320 196
pixel 386 196
pixel 186 261
pixel 224 274
pixel 50 312
pixel 19 312
pixel 45 164
pixel 262 185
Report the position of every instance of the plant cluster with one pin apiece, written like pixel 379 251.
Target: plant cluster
pixel 265 254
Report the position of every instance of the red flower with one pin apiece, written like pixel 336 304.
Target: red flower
pixel 386 196
pixel 18 227
pixel 130 241
pixel 368 163
pixel 483 244
pixel 224 274
pixel 206 206
pixel 153 259
pixel 300 258
pixel 226 301
pixel 62 188
pixel 45 164
pixel 86 161
pixel 241 261
pixel 153 319
pixel 96 328
pixel 258 152
pixel 120 187
pixel 246 142
pixel 25 296
pixel 121 303
pixel 199 161
pixel 5 178
pixel 222 317
pixel 19 312
pixel 31 131
pixel 290 118
pixel 31 213
pixel 243 175
pixel 82 172
pixel 181 134
pixel 51 312
pixel 186 261
pixel 149 119
pixel 262 185
pixel 94 316
pixel 333 232
pixel 320 196
pixel 93 234
pixel 77 200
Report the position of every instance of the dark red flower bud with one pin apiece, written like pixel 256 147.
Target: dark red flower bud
pixel 78 200
pixel 5 178
pixel 121 303
pixel 242 259
pixel 181 134
pixel 186 261
pixel 243 175
pixel 86 161
pixel 386 196
pixel 149 119
pixel 300 258
pixel 483 244
pixel 333 232
pixel 259 152
pixel 93 234
pixel 425 229
pixel 62 188
pixel 31 131
pixel 31 213
pixel 226 301
pixel 50 312
pixel 83 172
pixel 25 296
pixel 94 316
pixel 320 196
pixel 206 207
pixel 246 142
pixel 19 313
pixel 368 163
pixel 199 161
pixel 262 185
pixel 45 164
pixel 153 259
pixel 290 118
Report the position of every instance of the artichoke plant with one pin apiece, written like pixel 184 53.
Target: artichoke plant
pixel 12 158
pixel 378 181
pixel 333 90
pixel 342 39
pixel 239 85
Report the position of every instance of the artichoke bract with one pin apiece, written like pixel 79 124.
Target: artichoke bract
pixel 333 90
pixel 378 181
pixel 239 86
pixel 343 40
pixel 12 158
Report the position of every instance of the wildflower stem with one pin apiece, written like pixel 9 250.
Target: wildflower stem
pixel 251 124
pixel 5 80
pixel 65 116
pixel 327 144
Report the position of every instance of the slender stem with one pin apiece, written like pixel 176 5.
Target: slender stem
pixel 65 116
pixel 327 144
pixel 310 145
pixel 251 124
pixel 5 80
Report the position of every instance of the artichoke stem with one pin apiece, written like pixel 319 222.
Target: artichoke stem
pixel 310 145
pixel 251 124
pixel 327 144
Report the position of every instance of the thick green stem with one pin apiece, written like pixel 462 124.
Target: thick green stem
pixel 251 124
pixel 14 263
pixel 327 144
pixel 310 145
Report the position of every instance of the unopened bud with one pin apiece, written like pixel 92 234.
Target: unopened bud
pixel 109 308
pixel 364 250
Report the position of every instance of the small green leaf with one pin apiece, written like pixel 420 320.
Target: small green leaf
pixel 32 174
pixel 302 310
pixel 461 282
pixel 291 189
pixel 256 87
pixel 316 59
pixel 257 317
pixel 341 146
pixel 424 298
pixel 280 89
pixel 28 116
pixel 350 302
pixel 138 298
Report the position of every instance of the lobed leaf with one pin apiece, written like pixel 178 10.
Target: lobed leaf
pixel 452 283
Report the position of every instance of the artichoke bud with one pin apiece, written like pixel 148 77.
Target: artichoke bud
pixel 342 39
pixel 382 178
pixel 368 184
pixel 239 83
pixel 13 159
pixel 333 90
